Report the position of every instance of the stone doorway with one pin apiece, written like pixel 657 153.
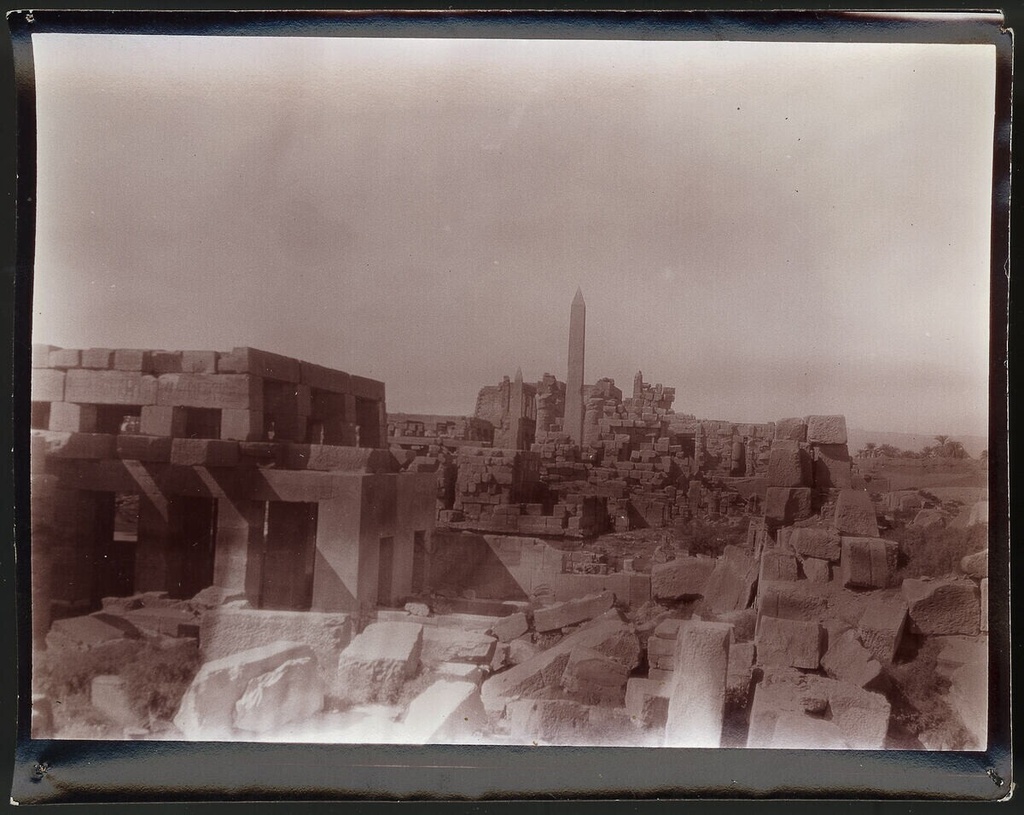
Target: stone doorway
pixel 289 533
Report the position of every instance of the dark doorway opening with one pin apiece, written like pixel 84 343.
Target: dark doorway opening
pixel 385 569
pixel 289 533
pixel 118 418
pixel 368 419
pixel 202 423
pixel 116 533
pixel 419 562
pixel 196 525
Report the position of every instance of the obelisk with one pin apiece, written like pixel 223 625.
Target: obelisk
pixel 573 423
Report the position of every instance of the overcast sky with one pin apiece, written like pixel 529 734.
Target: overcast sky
pixel 773 229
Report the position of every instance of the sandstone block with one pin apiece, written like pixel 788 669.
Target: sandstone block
pixel 97 358
pixel 816 542
pixel 63 358
pixel 787 505
pixel 241 425
pixel 132 359
pixel 788 465
pixel 555 721
pixel 826 429
pixel 610 637
pixel 817 570
pixel 570 612
pixel 847 659
pixel 975 565
pixel 788 643
pixel 324 457
pixel 259 363
pixel 696 706
pixel 41 354
pixel 76 445
pixel 833 468
pixel 510 627
pixel 199 362
pixel 165 362
pixel 376 664
pixel 142 448
pixel 731 584
pixel 173 622
pixel 647 702
pixel 881 627
pixel 801 600
pixel 226 391
pixel 325 379
pixel 942 606
pixel 291 692
pixel 930 519
pixel 442 644
pixel 463 671
pixel 776 565
pixel 791 430
pixel 445 713
pixel 207 710
pixel 592 678
pixel 868 563
pixel 47 385
pixel 855 514
pixel 67 417
pixel 204 452
pixel 161 420
pixel 682 577
pixel 109 695
pixel 116 387
pixel 797 731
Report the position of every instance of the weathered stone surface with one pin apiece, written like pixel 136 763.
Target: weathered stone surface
pixel 142 448
pixel 214 596
pixel 669 629
pixel 787 505
pixel 881 626
pixel 791 429
pixel 777 565
pixel 132 359
pixel 550 721
pixel 860 717
pixel 291 692
pixel 442 644
pixel 510 627
pixel 199 362
pixel 816 542
pixel 788 643
pixel 67 417
pixel 65 358
pixel 72 445
pixel 204 452
pixel 163 420
pixel 109 387
pixel 47 385
pixel 942 606
pixel 461 672
pixel 207 709
pixel 230 391
pixel 89 631
pixel 570 612
pixel 868 563
pixel 929 519
pixel 826 429
pixel 377 663
pixel 246 360
pixel 165 362
pixel 833 468
pixel 731 584
pixel 592 678
pixel 242 425
pixel 817 570
pixel 696 706
pixel 789 465
pixel 682 577
pixel 174 622
pixel 521 650
pixel 975 565
pixel 109 695
pixel 855 514
pixel 792 601
pixel 611 637
pixel 847 659
pixel 445 713
pixel 418 609
pixel 98 358
pixel 647 702
pixel 661 653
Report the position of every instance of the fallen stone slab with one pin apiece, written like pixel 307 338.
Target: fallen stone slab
pixel 826 429
pixel 376 664
pixel 174 622
pixel 570 612
pixel 647 702
pixel 793 601
pixel 682 577
pixel 610 637
pixel 292 692
pixel 777 566
pixel 592 678
pixel 881 627
pixel 207 709
pixel 789 465
pixel 696 706
pixel 784 506
pixel 731 585
pixel 445 713
pixel 456 645
pixel 460 672
pixel 942 606
pixel 788 643
pixel 975 565
pixel 817 570
pixel 855 514
pixel 552 721
pixel 508 628
pixel 90 630
pixel 669 629
pixel 816 542
pixel 929 519
pixel 521 650
pixel 847 659
pixel 215 596
pixel 868 563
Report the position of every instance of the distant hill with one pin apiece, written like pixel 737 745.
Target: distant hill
pixel 857 438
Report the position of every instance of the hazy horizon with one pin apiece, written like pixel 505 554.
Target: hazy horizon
pixel 774 229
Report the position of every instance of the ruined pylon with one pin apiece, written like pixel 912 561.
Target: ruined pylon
pixel 573 424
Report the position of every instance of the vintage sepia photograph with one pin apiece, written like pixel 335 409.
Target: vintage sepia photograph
pixel 512 391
